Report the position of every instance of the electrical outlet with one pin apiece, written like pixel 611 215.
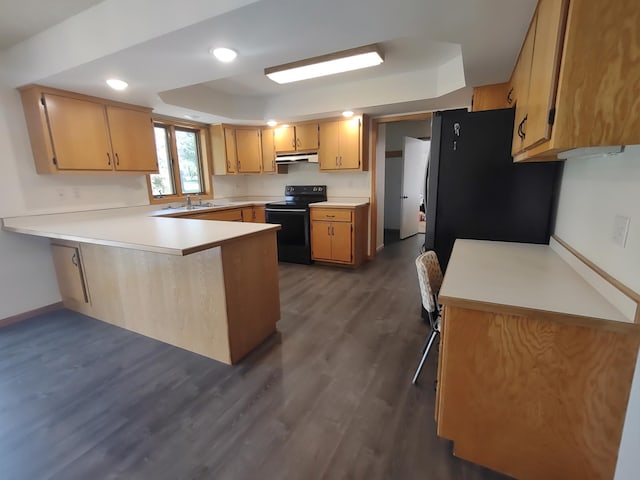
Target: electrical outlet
pixel 620 230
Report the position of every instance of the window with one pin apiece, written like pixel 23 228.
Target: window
pixel 182 169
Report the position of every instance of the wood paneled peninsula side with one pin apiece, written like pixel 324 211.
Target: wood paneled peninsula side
pixel 210 287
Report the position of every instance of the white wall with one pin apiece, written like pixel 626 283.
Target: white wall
pixel 343 184
pixel 593 191
pixel 27 278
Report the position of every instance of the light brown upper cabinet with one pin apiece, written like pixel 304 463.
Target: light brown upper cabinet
pixel 296 138
pixel 583 80
pixel 132 140
pixel 341 145
pixel 236 149
pixel 249 150
pixel 76 133
pixel 268 151
pixel 491 97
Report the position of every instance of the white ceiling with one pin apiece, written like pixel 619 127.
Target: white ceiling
pixel 23 19
pixel 434 50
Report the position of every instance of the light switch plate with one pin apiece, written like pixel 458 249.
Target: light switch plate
pixel 620 230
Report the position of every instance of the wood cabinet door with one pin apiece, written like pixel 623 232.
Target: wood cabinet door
pixel 268 151
pixel 545 65
pixel 230 150
pixel 132 140
pixel 248 150
pixel 522 74
pixel 247 214
pixel 321 240
pixel 349 143
pixel 284 139
pixel 259 215
pixel 79 133
pixel 329 150
pixel 307 137
pixel 341 244
pixel 66 261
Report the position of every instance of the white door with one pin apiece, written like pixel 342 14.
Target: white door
pixel 414 156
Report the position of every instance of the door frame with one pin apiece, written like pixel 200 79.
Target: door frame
pixel 375 122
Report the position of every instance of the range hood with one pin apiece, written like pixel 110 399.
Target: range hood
pixel 292 158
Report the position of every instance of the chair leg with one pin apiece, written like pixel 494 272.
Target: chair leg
pixel 432 337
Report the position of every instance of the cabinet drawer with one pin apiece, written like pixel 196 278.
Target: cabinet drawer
pixel 331 214
pixel 234 215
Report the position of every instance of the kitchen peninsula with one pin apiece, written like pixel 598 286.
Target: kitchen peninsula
pixel 210 287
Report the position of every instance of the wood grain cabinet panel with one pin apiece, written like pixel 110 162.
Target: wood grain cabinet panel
pixel 284 138
pixel 259 214
pixel 521 77
pixel 296 138
pixel 584 79
pixel 76 133
pixel 340 145
pixel 132 140
pixel 66 260
pixel 79 133
pixel 268 151
pixel 249 150
pixel 532 397
pixel 491 97
pixel 339 235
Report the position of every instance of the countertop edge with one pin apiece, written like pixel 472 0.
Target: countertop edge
pixel 567 318
pixel 137 246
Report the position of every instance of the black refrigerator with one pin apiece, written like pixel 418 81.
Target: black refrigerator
pixel 475 191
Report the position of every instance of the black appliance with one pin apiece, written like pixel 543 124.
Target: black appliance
pixel 294 244
pixel 475 191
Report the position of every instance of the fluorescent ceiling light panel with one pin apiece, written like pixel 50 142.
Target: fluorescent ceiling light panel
pixel 345 61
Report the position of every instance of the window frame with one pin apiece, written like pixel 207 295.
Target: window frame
pixel 202 140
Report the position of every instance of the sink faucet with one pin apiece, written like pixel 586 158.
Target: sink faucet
pixel 188 201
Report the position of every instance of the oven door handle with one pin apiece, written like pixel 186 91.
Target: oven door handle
pixel 276 210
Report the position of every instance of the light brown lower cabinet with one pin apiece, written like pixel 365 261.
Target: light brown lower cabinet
pixel 534 396
pixel 231 215
pixel 67 263
pixel 338 235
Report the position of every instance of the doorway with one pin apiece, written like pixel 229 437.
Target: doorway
pixel 401 164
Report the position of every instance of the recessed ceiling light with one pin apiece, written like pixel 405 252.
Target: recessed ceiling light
pixel 224 54
pixel 347 113
pixel 191 117
pixel 272 123
pixel 285 125
pixel 117 84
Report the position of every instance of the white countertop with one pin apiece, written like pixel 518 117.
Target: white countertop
pixel 137 228
pixel 524 276
pixel 341 203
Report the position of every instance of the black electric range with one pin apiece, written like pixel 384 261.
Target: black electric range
pixel 294 244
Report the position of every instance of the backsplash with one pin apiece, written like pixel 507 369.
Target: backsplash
pixel 347 184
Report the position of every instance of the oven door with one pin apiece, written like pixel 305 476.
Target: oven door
pixel 293 238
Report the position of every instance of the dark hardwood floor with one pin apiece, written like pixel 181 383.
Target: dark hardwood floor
pixel 328 397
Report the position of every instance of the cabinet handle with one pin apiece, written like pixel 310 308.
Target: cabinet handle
pixel 74 259
pixel 520 132
pixel 117 160
pixel 330 216
pixel 329 230
pixel 336 160
pixel 524 134
pixel 340 160
pixel 298 142
pixel 332 230
pixel 108 158
pixel 509 97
